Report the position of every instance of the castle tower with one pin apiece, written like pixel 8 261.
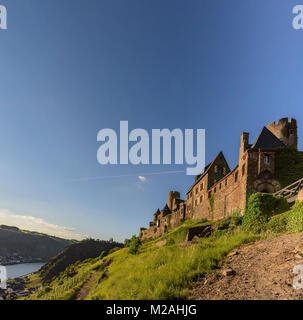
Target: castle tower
pixel 172 195
pixel 244 144
pixel 286 131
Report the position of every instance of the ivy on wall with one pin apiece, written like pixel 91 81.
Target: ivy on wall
pixel 168 222
pixel 211 200
pixel 288 165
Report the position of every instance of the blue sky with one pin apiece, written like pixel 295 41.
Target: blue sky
pixel 72 67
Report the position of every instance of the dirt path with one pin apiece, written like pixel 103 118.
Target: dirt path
pixel 84 291
pixel 263 270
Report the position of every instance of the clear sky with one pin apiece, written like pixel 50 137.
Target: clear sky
pixel 69 68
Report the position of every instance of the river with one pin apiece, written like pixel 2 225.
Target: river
pixel 18 270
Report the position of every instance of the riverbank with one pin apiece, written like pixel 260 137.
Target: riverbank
pixel 16 259
pixel 17 288
pixel 18 283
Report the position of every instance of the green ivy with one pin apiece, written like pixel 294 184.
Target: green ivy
pixel 260 208
pixel 211 200
pixel 288 165
pixel 168 222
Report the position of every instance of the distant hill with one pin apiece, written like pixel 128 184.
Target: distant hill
pixel 86 249
pixel 27 244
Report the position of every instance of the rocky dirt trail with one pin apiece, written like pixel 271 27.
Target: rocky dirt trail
pixel 84 291
pixel 259 271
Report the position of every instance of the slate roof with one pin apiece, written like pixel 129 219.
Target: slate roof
pixel 200 176
pixel 267 140
pixel 166 208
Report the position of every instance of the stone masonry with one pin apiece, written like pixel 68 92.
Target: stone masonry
pixel 219 192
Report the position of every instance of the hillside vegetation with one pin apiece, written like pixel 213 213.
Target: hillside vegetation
pixel 76 252
pixel 169 267
pixel 30 244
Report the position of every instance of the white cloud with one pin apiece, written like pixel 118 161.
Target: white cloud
pixel 37 224
pixel 142 179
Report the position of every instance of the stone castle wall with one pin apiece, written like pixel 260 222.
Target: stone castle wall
pixel 219 192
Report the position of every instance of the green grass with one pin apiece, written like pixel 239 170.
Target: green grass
pixel 34 281
pixel 171 271
pixel 65 287
pixel 166 272
pixel 290 221
pixel 178 234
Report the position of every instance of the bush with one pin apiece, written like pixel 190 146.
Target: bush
pixel 234 220
pixel 260 208
pixel 113 250
pixel 127 243
pixel 295 218
pixel 134 245
pixel 278 223
pixel 224 224
pixel 170 242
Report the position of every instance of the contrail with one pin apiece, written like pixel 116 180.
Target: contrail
pixel 130 175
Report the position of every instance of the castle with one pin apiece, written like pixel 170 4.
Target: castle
pixel 219 192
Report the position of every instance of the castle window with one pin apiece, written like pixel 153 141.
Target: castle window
pixel 236 176
pixel 243 169
pixel 201 199
pixel 196 202
pixel 191 194
pixel 196 190
pixel 226 182
pixel 220 186
pixel 266 159
pixel 215 189
pixel 201 186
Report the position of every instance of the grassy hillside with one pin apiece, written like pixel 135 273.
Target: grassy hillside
pixel 156 272
pixel 83 250
pixel 169 267
pixel 30 244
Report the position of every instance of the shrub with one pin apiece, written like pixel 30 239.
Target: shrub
pixel 113 250
pixel 236 217
pixel 135 244
pixel 170 242
pixel 295 218
pixel 224 224
pixel 234 220
pixel 278 223
pixel 260 208
pixel 127 243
